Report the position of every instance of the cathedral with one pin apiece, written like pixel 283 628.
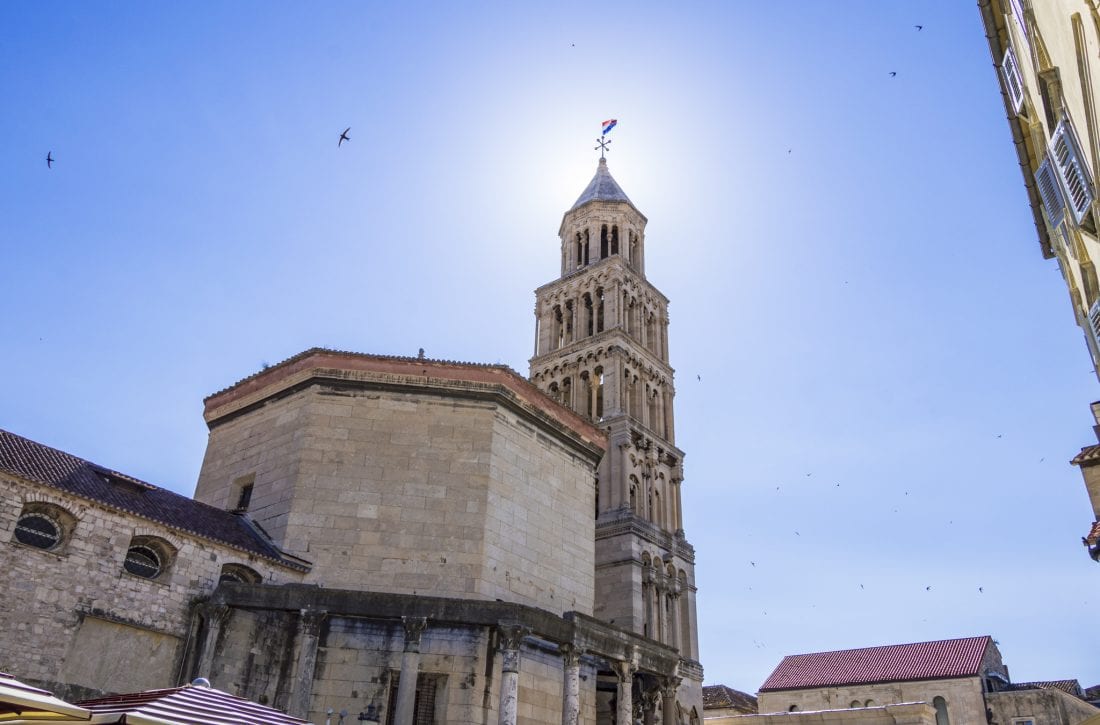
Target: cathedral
pixel 394 539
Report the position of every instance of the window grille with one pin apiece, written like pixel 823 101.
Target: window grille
pixel 1072 168
pixel 423 705
pixel 38 531
pixel 1014 81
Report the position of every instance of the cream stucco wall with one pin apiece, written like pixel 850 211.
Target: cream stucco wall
pixel 963 697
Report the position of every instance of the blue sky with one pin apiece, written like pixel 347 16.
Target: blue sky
pixel 891 379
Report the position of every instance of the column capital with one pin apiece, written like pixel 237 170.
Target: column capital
pixel 214 612
pixel 414 627
pixel 570 654
pixel 624 669
pixel 671 686
pixel 310 619
pixel 511 636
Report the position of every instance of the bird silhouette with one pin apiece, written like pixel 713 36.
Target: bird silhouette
pixel 860 586
pixel 928 589
pixel 753 563
pixel 344 137
pixel 49 159
pixel 919 27
pixel 999 435
pixel 893 73
pixel 698 377
pixel 980 590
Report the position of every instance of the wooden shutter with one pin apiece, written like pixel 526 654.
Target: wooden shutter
pixel 1051 193
pixel 1094 321
pixel 1076 179
pixel 1014 82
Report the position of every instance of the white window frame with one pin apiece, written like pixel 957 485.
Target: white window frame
pixel 1017 13
pixel 1073 171
pixel 1014 81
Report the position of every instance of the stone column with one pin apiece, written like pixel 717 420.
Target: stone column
pixel 309 633
pixel 624 712
pixel 649 705
pixel 410 670
pixel 214 617
pixel 674 605
pixel 511 636
pixel 668 691
pixel 571 687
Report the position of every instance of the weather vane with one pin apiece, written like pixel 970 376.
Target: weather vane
pixel 602 143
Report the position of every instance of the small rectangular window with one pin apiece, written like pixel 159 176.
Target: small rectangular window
pixel 241 493
pixel 424 706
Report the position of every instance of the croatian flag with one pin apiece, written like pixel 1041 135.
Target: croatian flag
pixel 608 125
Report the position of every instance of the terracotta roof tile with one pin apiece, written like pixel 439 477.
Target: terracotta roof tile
pixel 1089 455
pixel 31 461
pixel 891 663
pixel 722 697
pixel 1071 687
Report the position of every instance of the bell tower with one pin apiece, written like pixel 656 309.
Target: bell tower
pixel 601 348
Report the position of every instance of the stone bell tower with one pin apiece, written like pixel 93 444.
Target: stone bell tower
pixel 602 349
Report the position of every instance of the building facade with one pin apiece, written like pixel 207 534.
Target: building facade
pixel 1044 51
pixel 404 540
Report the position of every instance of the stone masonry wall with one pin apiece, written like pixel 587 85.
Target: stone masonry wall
pixel 1045 707
pixel 60 606
pixel 540 531
pixel 963 696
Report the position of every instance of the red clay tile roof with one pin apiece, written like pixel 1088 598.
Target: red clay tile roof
pixel 726 698
pixel 190 705
pixel 1089 456
pixel 1093 537
pixel 31 461
pixel 892 663
pixel 1071 687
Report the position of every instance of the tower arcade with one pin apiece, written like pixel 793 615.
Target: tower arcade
pixel 602 349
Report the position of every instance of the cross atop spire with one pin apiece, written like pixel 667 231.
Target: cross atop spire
pixel 601 145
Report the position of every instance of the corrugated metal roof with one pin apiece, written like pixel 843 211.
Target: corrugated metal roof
pixel 31 461
pixel 190 705
pixel 891 663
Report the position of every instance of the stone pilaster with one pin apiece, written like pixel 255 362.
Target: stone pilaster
pixel 214 617
pixel 309 636
pixel 410 670
pixel 668 693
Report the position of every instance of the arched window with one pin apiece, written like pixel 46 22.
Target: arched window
pixel 559 332
pixel 634 494
pixel 792 708
pixel 569 315
pixel 603 242
pixel 239 573
pixel 941 711
pixel 869 703
pixel 148 557
pixel 615 239
pixel 598 372
pixel 589 322
pixel 599 310
pixel 580 251
pixel 855 704
pixel 44 526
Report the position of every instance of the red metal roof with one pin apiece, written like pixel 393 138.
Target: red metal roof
pixel 190 705
pixel 892 663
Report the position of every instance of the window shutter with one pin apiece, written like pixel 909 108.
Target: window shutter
pixel 1014 82
pixel 1050 193
pixel 1071 166
pixel 1094 321
pixel 1021 22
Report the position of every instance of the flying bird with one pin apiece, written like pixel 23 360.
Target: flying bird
pixel 753 563
pixel 49 159
pixel 919 27
pixel 928 589
pixel 344 137
pixel 698 377
pixel 893 73
pixel 980 590
pixel 860 586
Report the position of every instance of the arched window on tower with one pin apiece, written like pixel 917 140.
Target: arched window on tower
pixel 634 493
pixel 599 310
pixel 598 373
pixel 579 251
pixel 653 410
pixel 567 392
pixel 604 241
pixel 615 239
pixel 569 314
pixel 586 245
pixel 586 394
pixel 559 331
pixel 589 322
